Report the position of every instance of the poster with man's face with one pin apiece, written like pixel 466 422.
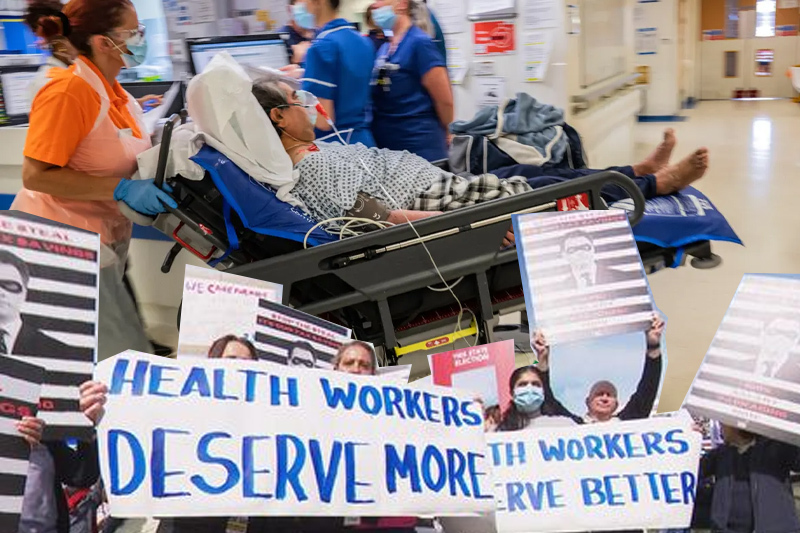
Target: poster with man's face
pixel 48 311
pixel 582 274
pixel 750 376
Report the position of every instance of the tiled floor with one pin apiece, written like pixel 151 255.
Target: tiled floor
pixel 754 179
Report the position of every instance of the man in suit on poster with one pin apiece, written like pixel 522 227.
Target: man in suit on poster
pixel 17 337
pixel 578 248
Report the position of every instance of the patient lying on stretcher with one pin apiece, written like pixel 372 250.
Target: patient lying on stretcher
pixel 352 180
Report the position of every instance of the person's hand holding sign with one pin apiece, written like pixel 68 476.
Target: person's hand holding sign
pixel 31 430
pixel 654 337
pixel 542 349
pixel 93 400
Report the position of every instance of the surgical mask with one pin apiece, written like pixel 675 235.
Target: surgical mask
pixel 309 102
pixel 303 18
pixel 137 46
pixel 384 17
pixel 529 398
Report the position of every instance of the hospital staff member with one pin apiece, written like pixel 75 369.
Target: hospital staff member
pixel 85 133
pixel 411 93
pixel 338 70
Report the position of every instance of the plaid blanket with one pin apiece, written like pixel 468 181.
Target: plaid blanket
pixel 454 192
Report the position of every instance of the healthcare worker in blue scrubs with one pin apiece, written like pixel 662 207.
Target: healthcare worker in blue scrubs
pixel 411 93
pixel 338 71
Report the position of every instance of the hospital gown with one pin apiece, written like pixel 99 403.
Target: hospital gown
pixel 331 178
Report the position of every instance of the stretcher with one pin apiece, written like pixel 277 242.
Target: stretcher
pixel 381 284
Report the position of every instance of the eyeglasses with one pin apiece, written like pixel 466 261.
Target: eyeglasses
pixel 306 100
pixel 130 34
pixel 14 287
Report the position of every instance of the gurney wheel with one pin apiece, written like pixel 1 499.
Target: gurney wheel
pixel 705 263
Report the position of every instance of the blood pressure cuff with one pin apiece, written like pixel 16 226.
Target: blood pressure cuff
pixel 681 219
pixel 369 207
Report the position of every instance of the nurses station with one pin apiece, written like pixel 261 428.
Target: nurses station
pixel 549 90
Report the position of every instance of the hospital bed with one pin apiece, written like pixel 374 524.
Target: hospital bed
pixel 381 284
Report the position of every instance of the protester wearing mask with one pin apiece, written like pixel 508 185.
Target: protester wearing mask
pixel 337 71
pixel 531 405
pixel 752 490
pixel 602 402
pixel 84 136
pixel 298 38
pixel 411 93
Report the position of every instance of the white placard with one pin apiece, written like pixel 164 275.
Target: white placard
pixel 451 16
pixel 482 9
pixel 457 64
pixel 216 304
pixel 750 376
pixel 598 477
pixel 538 14
pixel 582 275
pixel 16 95
pixel 222 438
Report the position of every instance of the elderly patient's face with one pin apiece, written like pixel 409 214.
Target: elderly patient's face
pixel 294 119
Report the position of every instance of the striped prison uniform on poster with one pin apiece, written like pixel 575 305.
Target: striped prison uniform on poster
pixel 617 300
pixel 20 386
pixel 751 372
pixel 59 313
pixel 287 336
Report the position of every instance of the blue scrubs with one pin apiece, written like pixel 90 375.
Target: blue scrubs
pixel 404 116
pixel 338 68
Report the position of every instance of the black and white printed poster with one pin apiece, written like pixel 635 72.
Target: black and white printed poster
pixel 750 376
pixel 48 311
pixel 582 274
pixel 290 337
pixel 20 387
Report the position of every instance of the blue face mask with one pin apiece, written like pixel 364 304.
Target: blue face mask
pixel 137 46
pixel 303 18
pixel 529 398
pixel 384 17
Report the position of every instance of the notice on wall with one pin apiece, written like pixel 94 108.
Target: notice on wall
pixel 490 91
pixel 749 377
pixel 596 477
pixel 457 65
pixel 788 4
pixel 193 437
pixel 539 14
pixel 493 38
pixel 536 49
pixel 646 41
pixel 451 16
pixel 203 11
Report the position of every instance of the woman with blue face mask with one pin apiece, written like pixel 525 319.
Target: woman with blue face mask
pixel 411 93
pixel 338 66
pixel 531 406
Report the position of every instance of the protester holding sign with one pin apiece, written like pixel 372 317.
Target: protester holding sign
pixel 752 490
pixel 602 402
pixel 532 404
pixel 356 357
pixel 232 347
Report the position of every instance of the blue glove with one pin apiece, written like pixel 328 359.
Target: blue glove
pixel 143 196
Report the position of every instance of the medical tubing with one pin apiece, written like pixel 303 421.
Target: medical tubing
pixel 421 240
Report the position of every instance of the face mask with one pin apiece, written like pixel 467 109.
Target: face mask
pixel 137 46
pixel 384 17
pixel 303 18
pixel 528 399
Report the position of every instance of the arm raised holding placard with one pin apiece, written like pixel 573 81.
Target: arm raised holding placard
pixel 542 349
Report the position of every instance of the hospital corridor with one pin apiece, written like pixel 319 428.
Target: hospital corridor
pixel 399 266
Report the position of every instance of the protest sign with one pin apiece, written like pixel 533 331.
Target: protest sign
pixel 750 376
pixel 582 274
pixel 20 387
pixel 216 304
pixel 596 477
pixel 483 370
pixel 290 337
pixel 400 373
pixel 218 437
pixel 49 272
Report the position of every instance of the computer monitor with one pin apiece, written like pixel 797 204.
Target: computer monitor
pixel 266 50
pixel 15 97
pixel 140 89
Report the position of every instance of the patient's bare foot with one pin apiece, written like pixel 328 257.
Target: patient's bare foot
pixel 677 177
pixel 660 156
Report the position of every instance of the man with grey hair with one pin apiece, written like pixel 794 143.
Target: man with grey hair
pixel 357 357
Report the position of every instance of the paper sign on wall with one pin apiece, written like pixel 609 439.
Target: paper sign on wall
pixel 490 90
pixel 457 65
pixel 536 50
pixel 450 14
pixel 493 38
pixel 206 437
pixel 646 41
pixel 539 14
pixel 596 477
